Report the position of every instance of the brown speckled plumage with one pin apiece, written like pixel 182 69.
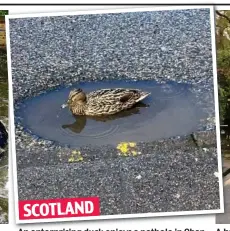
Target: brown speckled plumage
pixel 104 101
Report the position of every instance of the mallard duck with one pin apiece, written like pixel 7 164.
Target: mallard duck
pixel 104 101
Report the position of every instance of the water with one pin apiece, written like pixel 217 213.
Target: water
pixel 170 110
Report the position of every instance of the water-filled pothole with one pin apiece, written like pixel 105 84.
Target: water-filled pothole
pixel 170 110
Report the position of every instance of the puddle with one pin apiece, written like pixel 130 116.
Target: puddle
pixel 169 111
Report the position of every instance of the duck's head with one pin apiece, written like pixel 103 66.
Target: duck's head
pixel 76 95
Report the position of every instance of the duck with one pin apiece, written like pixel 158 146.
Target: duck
pixel 104 101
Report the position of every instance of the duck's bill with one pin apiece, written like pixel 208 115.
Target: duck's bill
pixel 64 105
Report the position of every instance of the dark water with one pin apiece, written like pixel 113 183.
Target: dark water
pixel 169 111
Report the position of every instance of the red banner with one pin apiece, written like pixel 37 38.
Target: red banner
pixel 59 208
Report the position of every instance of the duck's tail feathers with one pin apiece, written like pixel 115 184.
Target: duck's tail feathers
pixel 143 95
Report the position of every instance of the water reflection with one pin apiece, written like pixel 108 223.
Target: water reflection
pixel 80 123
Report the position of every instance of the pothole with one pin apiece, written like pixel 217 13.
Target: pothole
pixel 170 110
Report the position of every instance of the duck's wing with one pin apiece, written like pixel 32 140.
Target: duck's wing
pixel 105 92
pixel 111 101
pixel 121 95
pixel 126 97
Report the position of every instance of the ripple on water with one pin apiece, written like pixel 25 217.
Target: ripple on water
pixel 170 110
